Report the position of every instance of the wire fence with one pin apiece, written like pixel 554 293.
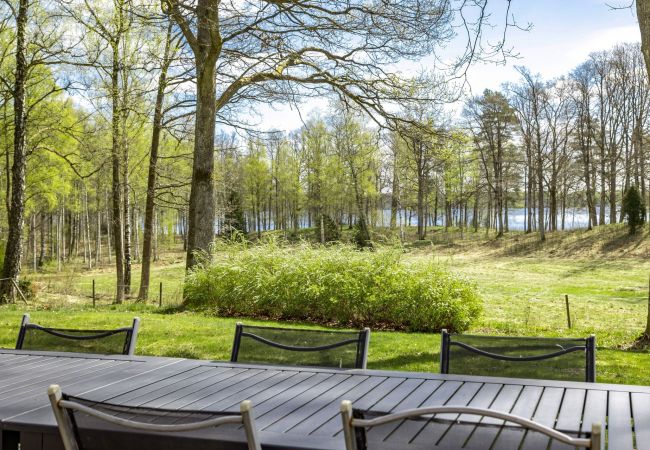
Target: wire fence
pixel 101 292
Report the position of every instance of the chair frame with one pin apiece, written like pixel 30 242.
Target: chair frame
pixel 363 342
pixel 350 423
pixel 129 347
pixel 61 408
pixel 589 348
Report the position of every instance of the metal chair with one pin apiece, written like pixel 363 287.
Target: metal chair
pixel 297 347
pixel 358 427
pixel 565 359
pixel 120 341
pixel 87 425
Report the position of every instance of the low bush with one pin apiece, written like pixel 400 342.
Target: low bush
pixel 331 285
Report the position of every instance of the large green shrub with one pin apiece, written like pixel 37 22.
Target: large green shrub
pixel 337 284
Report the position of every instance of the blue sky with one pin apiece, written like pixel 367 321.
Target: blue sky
pixel 563 35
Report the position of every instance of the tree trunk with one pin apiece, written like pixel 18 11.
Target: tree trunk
pixel 612 185
pixel 126 199
pixel 116 188
pixel 529 190
pixel 154 228
pixel 540 195
pixel 87 229
pixel 394 198
pixel 34 260
pixel 41 256
pixel 13 251
pixel 98 235
pixel 201 208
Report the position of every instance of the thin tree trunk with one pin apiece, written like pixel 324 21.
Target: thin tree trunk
pixel 87 229
pixel 109 223
pixel 116 194
pixel 41 257
pixel 98 230
pixel 33 226
pixel 13 250
pixel 126 214
pixel 63 241
pixel 394 198
pixel 136 232
pixel 59 232
pixel 155 235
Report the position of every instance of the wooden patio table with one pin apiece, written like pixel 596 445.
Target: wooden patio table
pixel 298 408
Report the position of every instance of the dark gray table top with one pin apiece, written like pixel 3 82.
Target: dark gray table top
pixel 299 407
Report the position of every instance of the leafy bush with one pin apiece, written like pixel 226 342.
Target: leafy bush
pixel 28 288
pixel 336 284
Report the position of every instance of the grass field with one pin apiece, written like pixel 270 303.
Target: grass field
pixel 523 286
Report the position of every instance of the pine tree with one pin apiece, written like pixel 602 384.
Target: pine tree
pixel 633 209
pixel 234 221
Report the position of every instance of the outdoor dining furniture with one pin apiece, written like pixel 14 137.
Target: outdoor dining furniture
pixel 89 425
pixel 570 359
pixel 374 430
pixel 299 407
pixel 108 342
pixel 298 347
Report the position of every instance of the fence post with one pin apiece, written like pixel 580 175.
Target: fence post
pixel 13 293
pixel 568 313
pixel 160 296
pixel 93 292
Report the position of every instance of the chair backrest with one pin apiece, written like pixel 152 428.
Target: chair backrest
pixel 89 425
pixel 297 347
pixel 120 341
pixel 564 359
pixel 368 429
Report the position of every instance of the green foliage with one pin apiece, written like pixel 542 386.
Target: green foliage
pixel 329 230
pixel 27 288
pixel 361 234
pixel 633 208
pixel 332 285
pixel 234 222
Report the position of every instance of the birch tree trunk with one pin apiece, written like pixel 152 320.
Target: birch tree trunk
pixel 153 163
pixel 115 166
pixel 13 251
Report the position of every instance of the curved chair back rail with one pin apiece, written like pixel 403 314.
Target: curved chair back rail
pixel 64 413
pixel 349 423
pixel 563 351
pixel 300 347
pixel 465 351
pixel 297 348
pixel 36 337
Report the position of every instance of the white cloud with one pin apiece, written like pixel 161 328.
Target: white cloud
pixel 602 40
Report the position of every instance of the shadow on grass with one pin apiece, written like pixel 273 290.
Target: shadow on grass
pixel 600 242
pixel 171 309
pixel 403 360
pixel 624 243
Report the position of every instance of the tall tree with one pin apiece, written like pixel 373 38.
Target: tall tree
pixel 273 50
pixel 421 141
pixel 531 93
pixel 157 128
pixel 582 79
pixel 492 121
pixel 37 44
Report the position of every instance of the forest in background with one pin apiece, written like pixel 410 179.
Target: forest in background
pixel 105 121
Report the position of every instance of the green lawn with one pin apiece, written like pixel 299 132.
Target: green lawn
pixel 523 295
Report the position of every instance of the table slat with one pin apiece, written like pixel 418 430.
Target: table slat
pixel 619 426
pixel 641 413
